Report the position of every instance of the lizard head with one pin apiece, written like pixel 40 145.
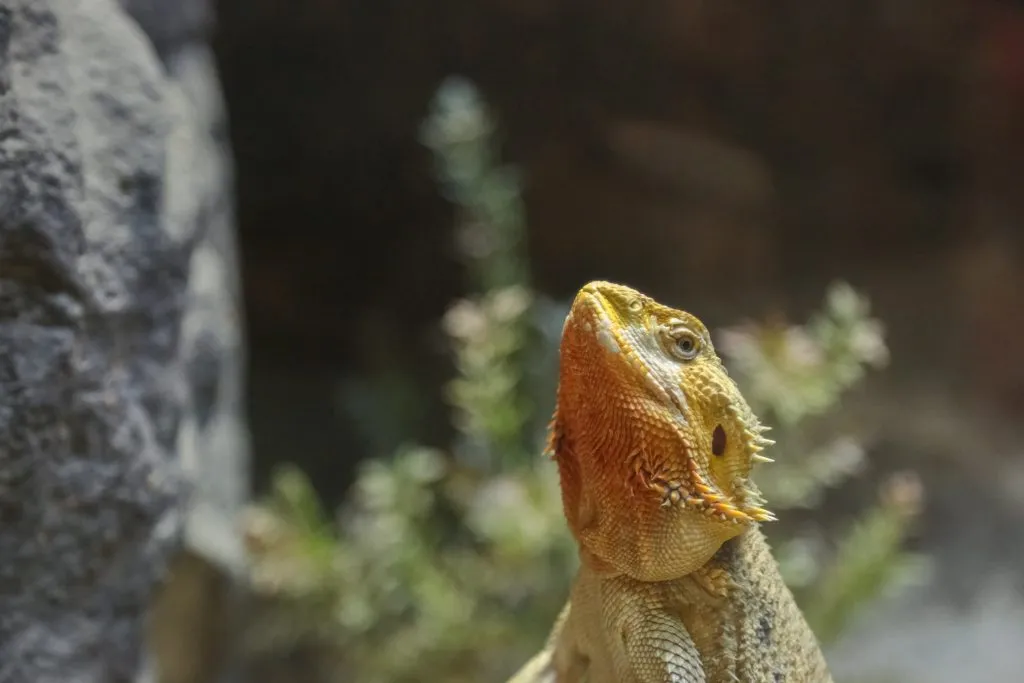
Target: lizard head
pixel 653 440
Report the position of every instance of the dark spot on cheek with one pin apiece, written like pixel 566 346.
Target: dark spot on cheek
pixel 778 677
pixel 718 441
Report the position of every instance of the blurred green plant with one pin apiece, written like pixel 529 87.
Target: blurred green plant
pixel 793 375
pixel 452 565
pixel 869 561
pixel 491 225
pixel 393 589
pixel 441 566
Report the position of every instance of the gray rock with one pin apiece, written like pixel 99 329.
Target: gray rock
pixel 118 332
pixel 213 440
pixel 171 24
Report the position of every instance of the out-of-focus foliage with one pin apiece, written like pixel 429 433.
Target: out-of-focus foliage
pixel 452 565
pixel 419 575
pixel 792 375
pixel 491 229
pixel 442 566
pixel 869 560
pixel 491 414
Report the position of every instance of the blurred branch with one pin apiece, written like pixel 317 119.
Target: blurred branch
pixel 462 133
pixel 793 373
pixel 869 561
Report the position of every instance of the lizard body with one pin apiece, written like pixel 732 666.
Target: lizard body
pixel 654 445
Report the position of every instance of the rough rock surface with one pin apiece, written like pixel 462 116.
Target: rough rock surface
pixel 113 288
pixel 213 441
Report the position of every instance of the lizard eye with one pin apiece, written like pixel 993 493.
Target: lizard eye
pixel 636 305
pixel 687 345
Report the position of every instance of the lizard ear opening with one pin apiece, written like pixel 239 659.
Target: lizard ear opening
pixel 718 441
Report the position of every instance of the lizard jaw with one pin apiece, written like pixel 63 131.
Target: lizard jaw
pixel 694 495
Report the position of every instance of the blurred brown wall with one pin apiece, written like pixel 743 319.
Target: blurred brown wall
pixel 730 155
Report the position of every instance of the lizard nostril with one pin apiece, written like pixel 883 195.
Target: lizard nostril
pixel 718 441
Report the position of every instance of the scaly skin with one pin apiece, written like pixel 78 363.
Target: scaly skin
pixel 654 445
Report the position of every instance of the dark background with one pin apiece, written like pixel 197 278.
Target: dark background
pixel 732 157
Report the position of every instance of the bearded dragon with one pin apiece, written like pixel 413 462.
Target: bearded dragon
pixel 654 446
